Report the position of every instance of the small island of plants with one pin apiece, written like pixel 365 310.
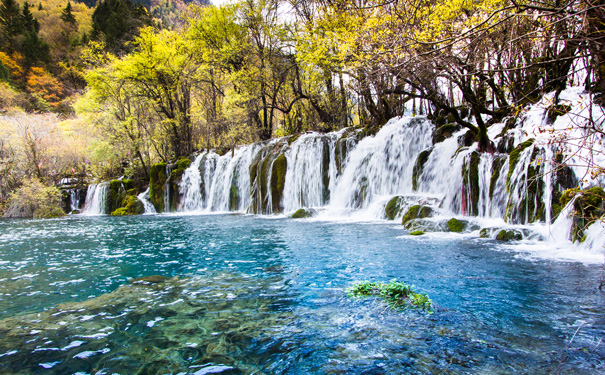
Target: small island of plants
pixel 396 295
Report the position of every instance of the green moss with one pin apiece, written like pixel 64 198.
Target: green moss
pixel 419 167
pixel 514 159
pixel 425 211
pixel 471 183
pixel 293 139
pixel 131 205
pixel 301 213
pixel 484 233
pixel 392 208
pixel 128 184
pixel 444 132
pixel 411 214
pixel 455 225
pixel 509 235
pixel 496 167
pixel 278 181
pixel 157 184
pixel 115 195
pixel 397 295
pixel 416 233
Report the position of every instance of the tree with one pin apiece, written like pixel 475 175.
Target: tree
pixel 11 23
pixel 117 22
pixel 163 71
pixel 67 15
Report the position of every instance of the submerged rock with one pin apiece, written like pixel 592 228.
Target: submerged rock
pixel 151 324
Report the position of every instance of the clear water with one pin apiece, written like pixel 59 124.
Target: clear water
pixel 246 294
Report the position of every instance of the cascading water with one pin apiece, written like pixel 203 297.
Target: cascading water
pixel 382 165
pixel 144 198
pixel 338 172
pixel 96 197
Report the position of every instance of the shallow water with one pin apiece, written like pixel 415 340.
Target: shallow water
pixel 246 294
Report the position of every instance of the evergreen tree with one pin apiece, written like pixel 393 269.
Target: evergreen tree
pixel 11 23
pixel 117 22
pixel 67 16
pixel 40 6
pixel 29 22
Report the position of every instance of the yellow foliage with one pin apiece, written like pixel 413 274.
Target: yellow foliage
pixel 14 63
pixel 41 83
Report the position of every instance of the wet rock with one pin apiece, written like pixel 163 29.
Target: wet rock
pixel 443 132
pixel 509 235
pixel 393 208
pixel 419 167
pixel 303 213
pixel 426 225
pixel 153 279
pixel 455 225
pixel 417 212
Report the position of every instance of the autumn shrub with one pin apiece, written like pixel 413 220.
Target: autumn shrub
pixel 34 200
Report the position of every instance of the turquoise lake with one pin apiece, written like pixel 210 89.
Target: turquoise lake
pixel 244 294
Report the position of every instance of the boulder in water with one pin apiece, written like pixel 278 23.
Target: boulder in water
pixel 303 213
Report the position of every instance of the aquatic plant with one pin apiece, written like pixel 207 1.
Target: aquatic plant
pixel 397 295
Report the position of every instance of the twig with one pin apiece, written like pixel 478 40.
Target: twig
pixel 574 335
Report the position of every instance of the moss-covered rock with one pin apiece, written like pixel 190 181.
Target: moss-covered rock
pixel 514 159
pixel 509 235
pixel 588 208
pixel 157 185
pixel 443 132
pixel 419 167
pixel 426 225
pixel 497 164
pixel 392 208
pixel 278 181
pixel 455 225
pixel 411 214
pixel 417 212
pixel 303 213
pixel 416 233
pixel 470 184
pixel 115 195
pixel 131 205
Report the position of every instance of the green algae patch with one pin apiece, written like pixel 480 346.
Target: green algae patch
pixel 416 233
pixel 395 294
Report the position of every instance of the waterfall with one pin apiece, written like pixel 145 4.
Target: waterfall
pixel 74 199
pixel 144 198
pixel 96 197
pixel 382 165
